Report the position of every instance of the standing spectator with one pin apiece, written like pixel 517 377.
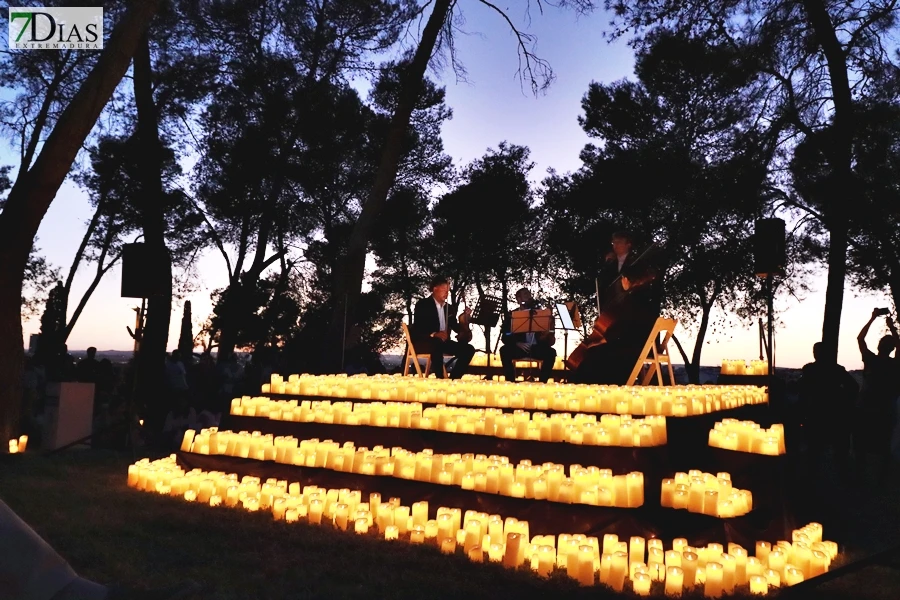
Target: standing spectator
pixel 878 400
pixel 88 368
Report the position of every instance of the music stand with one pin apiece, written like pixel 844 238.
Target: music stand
pixel 570 318
pixel 532 321
pixel 486 312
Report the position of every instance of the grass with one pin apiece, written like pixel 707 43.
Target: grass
pixel 79 502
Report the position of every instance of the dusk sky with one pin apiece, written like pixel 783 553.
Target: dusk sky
pixel 489 108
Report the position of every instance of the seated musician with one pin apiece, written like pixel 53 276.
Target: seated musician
pixel 630 303
pixel 526 345
pixel 433 321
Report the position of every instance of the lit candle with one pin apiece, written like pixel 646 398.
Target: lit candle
pixel 759 585
pixel 674 581
pixel 792 576
pixel 636 550
pixel 391 532
pixel 546 559
pixel 23 443
pixel 641 584
pixel 13 446
pixel 714 575
pixel 689 562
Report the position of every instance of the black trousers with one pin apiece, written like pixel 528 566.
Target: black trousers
pixel 544 352
pixel 438 348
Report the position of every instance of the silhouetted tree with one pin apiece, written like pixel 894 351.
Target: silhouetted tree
pixel 35 189
pixel 813 61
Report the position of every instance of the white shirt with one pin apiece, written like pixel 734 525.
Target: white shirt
pixel 442 317
pixel 622 261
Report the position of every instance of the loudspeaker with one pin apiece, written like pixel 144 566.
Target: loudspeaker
pixel 769 249
pixel 146 271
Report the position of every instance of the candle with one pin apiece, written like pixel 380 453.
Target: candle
pixel 417 534
pixel 636 550
pixel 689 562
pixel 714 575
pixel 546 559
pixel 772 578
pixel 792 576
pixel 23 443
pixel 674 581
pixel 759 585
pixel 13 446
pixel 641 584
pixel 762 551
pixel 391 532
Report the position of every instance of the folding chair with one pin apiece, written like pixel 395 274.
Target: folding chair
pixel 411 355
pixel 654 354
pixel 528 365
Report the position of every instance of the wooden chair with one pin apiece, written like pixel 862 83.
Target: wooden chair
pixel 528 365
pixel 654 354
pixel 411 355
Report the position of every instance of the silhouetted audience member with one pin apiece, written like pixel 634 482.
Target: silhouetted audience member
pixel 878 400
pixel 827 395
pixel 88 368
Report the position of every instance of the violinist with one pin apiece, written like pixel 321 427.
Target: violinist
pixel 526 345
pixel 433 321
pixel 629 299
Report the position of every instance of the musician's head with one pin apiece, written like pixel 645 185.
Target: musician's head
pixel 621 243
pixel 523 297
pixel 440 288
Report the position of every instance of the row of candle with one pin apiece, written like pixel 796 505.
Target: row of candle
pixel 747 436
pixel 666 401
pixel 740 367
pixel 482 360
pixel 581 429
pixel 18 445
pixel 706 494
pixel 493 475
pixel 506 541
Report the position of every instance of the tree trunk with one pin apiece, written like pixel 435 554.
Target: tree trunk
pixel 349 277
pixel 32 194
pixel 693 369
pixel 840 160
pixel 152 356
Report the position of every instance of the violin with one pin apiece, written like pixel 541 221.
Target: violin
pixel 464 335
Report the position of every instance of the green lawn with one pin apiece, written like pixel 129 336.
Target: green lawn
pixel 80 503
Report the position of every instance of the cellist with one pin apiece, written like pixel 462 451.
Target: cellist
pixel 629 289
pixel 433 321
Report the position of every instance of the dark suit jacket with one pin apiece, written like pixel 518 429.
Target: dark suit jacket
pixel 644 297
pixel 426 320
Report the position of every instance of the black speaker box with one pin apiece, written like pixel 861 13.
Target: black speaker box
pixel 146 271
pixel 769 247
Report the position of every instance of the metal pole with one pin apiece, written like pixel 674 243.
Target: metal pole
pixel 344 336
pixel 771 309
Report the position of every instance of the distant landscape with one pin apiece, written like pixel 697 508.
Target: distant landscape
pixel 392 362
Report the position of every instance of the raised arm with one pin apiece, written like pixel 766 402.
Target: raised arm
pixel 861 338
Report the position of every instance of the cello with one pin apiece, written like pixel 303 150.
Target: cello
pixel 610 315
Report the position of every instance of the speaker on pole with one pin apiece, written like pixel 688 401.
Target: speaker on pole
pixel 769 247
pixel 146 271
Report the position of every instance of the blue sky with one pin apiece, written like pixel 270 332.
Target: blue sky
pixel 488 108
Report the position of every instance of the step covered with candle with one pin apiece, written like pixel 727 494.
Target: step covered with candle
pixel 741 367
pixel 491 474
pixel 580 428
pixel 675 401
pixel 747 436
pixel 639 564
pixel 706 494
